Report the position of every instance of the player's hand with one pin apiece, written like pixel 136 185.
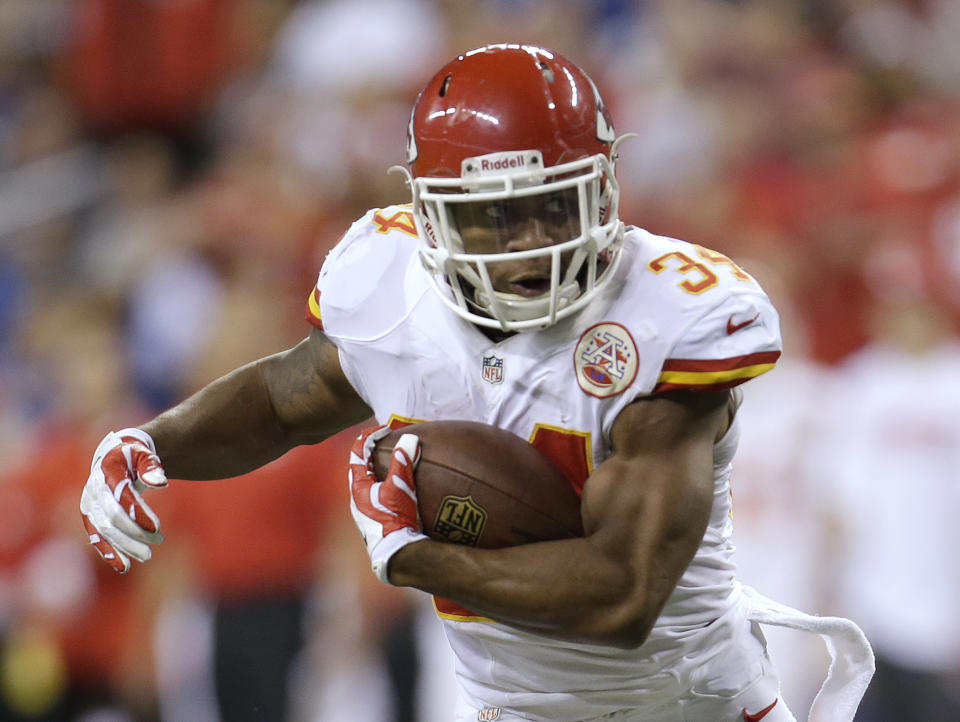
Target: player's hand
pixel 116 517
pixel 384 511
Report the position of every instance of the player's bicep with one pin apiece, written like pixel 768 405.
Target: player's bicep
pixel 647 506
pixel 311 396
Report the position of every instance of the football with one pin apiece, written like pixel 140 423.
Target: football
pixel 483 486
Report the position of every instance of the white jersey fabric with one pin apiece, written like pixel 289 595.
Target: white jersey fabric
pixel 675 316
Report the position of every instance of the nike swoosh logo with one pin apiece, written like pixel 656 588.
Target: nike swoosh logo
pixel 757 716
pixel 731 326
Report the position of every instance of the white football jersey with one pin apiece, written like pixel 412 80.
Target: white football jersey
pixel 675 316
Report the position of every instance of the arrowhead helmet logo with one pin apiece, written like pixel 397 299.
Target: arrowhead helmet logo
pixel 412 151
pixel 605 131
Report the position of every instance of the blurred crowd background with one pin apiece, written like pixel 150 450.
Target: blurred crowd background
pixel 172 173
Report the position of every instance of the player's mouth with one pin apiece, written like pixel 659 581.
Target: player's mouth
pixel 530 285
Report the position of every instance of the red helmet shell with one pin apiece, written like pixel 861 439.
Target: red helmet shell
pixel 506 97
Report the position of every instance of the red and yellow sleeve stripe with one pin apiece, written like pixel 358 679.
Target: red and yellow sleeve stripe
pixel 313 309
pixel 714 375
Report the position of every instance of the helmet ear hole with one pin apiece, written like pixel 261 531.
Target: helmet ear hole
pixel 445 85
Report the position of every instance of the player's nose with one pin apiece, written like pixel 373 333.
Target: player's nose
pixel 528 235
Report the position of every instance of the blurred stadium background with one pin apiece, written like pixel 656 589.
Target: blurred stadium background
pixel 172 173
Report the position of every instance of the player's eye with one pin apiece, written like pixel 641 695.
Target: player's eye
pixel 495 212
pixel 554 207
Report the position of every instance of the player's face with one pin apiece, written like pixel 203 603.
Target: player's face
pixel 519 224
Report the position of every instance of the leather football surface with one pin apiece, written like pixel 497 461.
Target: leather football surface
pixel 483 486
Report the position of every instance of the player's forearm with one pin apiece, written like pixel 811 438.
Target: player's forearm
pixel 567 589
pixel 227 428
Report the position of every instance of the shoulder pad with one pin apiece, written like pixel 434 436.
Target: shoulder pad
pixel 733 342
pixel 736 332
pixel 717 325
pixel 361 283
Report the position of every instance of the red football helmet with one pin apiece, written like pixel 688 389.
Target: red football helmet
pixel 503 141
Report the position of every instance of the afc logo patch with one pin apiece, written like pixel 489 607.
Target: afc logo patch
pixel 492 369
pixel 605 360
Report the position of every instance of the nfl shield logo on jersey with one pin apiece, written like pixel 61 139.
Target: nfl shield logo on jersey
pixel 492 369
pixel 488 714
pixel 605 360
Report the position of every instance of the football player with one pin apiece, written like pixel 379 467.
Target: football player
pixel 509 292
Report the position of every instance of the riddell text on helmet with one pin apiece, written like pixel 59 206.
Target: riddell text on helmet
pixel 514 161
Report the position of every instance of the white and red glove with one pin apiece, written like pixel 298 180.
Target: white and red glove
pixel 116 517
pixel 384 511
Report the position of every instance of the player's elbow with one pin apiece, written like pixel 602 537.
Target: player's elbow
pixel 627 627
pixel 624 622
